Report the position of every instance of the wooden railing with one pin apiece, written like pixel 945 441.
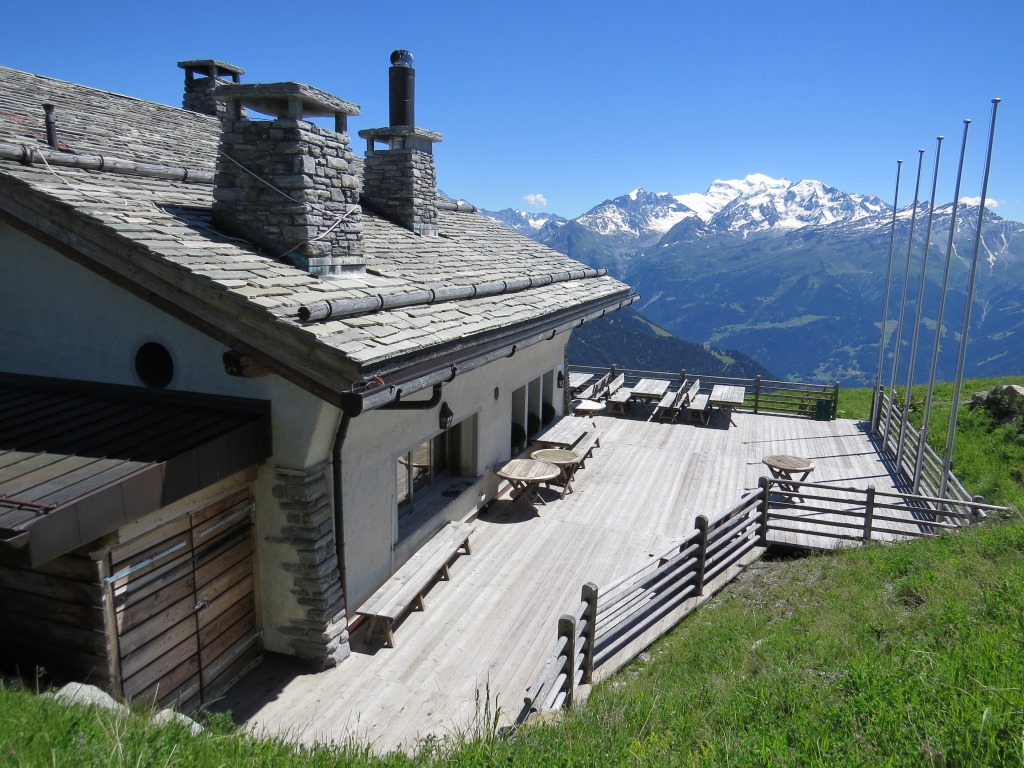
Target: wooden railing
pixel 571 664
pixel 762 395
pixel 614 618
pixel 851 514
pixel 613 623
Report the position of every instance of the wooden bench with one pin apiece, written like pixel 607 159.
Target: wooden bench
pixel 698 407
pixel 409 583
pixel 615 385
pixel 670 405
pixel 618 401
pixel 596 390
pixel 585 447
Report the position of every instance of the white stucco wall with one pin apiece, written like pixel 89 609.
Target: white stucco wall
pixel 377 438
pixel 61 320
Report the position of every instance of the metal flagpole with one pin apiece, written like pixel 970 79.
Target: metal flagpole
pixel 918 310
pixel 919 463
pixel 947 459
pixel 875 412
pixel 903 305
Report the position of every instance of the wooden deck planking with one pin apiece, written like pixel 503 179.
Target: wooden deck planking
pixel 494 623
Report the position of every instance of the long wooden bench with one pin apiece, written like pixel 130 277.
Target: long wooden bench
pixel 596 390
pixel 407 586
pixel 616 395
pixel 585 447
pixel 698 407
pixel 670 405
pixel 618 401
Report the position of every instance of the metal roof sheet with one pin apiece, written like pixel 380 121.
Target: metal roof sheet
pixel 80 459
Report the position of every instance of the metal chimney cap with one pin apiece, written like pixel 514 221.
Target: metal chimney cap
pixel 401 58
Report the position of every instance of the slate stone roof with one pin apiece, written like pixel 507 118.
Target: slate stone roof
pixel 155 236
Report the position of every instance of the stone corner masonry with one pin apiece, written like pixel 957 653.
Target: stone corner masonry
pixel 320 634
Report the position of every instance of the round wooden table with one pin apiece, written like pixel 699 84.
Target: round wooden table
pixel 785 469
pixel 526 475
pixel 565 460
pixel 587 408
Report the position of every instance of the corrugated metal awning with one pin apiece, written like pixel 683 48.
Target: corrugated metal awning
pixel 80 459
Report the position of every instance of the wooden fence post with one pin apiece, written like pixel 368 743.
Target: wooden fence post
pixel 835 400
pixel 590 634
pixel 702 550
pixel 869 511
pixel 764 484
pixel 613 373
pixel 682 377
pixel 757 392
pixel 567 628
pixel 975 513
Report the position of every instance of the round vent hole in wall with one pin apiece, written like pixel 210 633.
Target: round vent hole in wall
pixel 153 365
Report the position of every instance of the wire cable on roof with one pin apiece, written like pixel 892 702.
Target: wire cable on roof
pixel 340 218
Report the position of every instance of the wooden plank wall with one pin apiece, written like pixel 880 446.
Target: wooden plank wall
pixel 184 605
pixel 52 617
pixel 225 580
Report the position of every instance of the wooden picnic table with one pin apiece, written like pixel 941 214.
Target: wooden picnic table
pixel 526 475
pixel 565 460
pixel 587 408
pixel 726 398
pixel 577 380
pixel 650 390
pixel 564 433
pixel 785 469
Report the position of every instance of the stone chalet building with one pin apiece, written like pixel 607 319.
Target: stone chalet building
pixel 244 373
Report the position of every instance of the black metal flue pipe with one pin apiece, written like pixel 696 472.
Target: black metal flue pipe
pixel 51 126
pixel 402 90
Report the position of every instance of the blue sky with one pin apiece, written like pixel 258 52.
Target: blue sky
pixel 577 102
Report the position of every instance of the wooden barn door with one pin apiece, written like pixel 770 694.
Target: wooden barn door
pixel 183 597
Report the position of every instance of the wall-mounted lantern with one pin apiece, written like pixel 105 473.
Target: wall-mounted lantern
pixel 445 416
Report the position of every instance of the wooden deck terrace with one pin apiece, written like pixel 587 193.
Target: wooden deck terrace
pixel 486 634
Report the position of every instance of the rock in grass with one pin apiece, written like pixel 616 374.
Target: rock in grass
pixel 165 716
pixel 89 695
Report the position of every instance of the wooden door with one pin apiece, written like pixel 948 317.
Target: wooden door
pixel 184 605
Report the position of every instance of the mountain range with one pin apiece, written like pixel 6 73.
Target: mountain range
pixel 792 274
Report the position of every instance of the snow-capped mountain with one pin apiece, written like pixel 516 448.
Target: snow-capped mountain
pixel 638 214
pixel 755 205
pixel 793 273
pixel 777 205
pixel 524 222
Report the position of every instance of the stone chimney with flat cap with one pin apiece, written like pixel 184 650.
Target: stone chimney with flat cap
pixel 286 184
pixel 399 180
pixel 202 79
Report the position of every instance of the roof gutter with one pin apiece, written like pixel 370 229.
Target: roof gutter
pixel 385 388
pixel 27 155
pixel 328 310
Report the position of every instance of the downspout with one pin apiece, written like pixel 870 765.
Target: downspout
pixel 339 518
pixel 339 444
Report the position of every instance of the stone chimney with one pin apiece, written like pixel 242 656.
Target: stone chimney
pixel 287 184
pixel 399 180
pixel 199 91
